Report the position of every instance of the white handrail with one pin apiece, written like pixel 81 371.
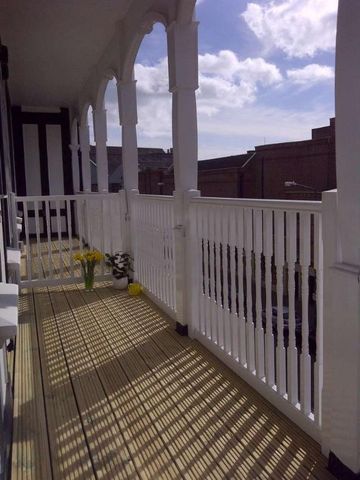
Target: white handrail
pixel 94 195
pixel 164 198
pixel 299 205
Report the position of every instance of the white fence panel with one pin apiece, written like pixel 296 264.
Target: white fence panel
pixel 154 248
pixel 75 223
pixel 260 296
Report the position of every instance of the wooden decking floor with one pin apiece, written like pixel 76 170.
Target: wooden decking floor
pixel 105 389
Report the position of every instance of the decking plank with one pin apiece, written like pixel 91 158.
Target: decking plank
pixel 186 447
pixel 226 451
pixel 255 427
pixel 109 455
pixel 144 306
pixel 29 428
pixel 150 454
pixel 107 448
pixel 70 454
pixel 287 439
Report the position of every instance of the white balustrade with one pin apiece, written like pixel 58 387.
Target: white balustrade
pixel 85 221
pixel 154 248
pixel 258 262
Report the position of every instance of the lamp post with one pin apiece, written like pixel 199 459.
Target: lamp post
pixel 303 191
pixel 292 183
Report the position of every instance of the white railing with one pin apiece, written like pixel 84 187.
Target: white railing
pixel 259 296
pixel 255 281
pixel 75 223
pixel 154 248
pixel 104 225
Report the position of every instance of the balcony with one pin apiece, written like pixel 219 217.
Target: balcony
pixel 241 359
pixel 105 388
pixel 248 259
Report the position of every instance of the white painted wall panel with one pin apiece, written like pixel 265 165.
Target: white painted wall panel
pixel 55 160
pixel 54 227
pixel 32 159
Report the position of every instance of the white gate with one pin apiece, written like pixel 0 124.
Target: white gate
pixel 55 227
pixel 154 248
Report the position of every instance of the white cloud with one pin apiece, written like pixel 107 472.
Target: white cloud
pixel 231 120
pixel 300 28
pixel 154 100
pixel 272 123
pixel 225 81
pixel 152 79
pixel 226 65
pixel 311 74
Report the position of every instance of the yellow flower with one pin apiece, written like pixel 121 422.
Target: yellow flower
pixel 90 257
pixel 78 257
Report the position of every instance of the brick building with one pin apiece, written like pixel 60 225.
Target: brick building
pixel 261 173
pixel 150 159
pixel 309 165
pixel 290 170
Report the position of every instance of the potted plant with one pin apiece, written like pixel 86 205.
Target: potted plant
pixel 121 265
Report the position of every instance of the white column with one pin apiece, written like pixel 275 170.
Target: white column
pixel 85 156
pixel 341 217
pixel 347 104
pixel 183 83
pixel 100 134
pixel 75 166
pixel 128 122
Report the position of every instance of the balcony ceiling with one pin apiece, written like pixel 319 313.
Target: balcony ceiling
pixel 54 44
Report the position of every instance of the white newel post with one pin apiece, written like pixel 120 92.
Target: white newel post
pixel 85 156
pixel 183 83
pixel 341 210
pixel 75 166
pixel 128 121
pixel 100 134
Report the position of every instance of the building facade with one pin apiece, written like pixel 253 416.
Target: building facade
pixel 291 170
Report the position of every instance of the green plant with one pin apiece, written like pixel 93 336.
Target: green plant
pixel 120 264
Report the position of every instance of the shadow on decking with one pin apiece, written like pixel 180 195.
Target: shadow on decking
pixel 125 397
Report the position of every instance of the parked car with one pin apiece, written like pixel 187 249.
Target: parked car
pixel 285 319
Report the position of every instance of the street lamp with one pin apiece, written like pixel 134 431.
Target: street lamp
pixel 292 183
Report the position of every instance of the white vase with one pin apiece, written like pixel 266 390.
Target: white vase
pixel 120 283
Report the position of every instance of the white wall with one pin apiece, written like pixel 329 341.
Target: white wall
pixel 55 168
pixel 55 162
pixel 32 159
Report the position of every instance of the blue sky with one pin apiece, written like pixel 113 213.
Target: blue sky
pixel 266 71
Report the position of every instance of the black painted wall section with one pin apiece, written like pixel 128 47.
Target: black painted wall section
pixel 41 119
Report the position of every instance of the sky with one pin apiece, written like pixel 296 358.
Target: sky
pixel 266 75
